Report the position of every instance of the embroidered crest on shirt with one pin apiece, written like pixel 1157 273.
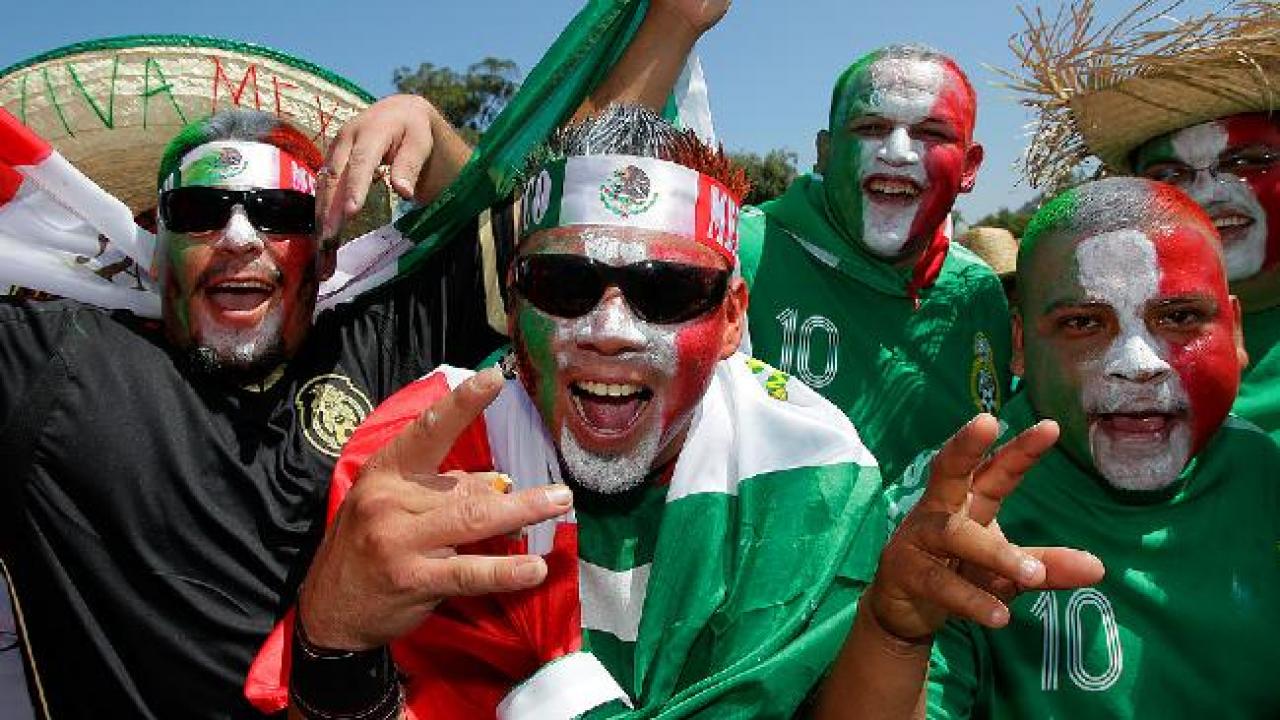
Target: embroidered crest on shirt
pixel 982 377
pixel 330 408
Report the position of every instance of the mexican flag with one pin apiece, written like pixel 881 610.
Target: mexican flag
pixel 63 234
pixel 725 589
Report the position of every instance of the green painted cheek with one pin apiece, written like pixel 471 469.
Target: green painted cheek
pixel 843 182
pixel 177 296
pixel 535 333
pixel 1058 396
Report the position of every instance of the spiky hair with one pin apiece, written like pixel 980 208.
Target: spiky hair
pixel 239 124
pixel 637 130
pixel 909 51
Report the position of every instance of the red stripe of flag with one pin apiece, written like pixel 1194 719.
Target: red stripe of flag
pixel 18 145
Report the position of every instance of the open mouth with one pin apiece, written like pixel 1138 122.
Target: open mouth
pixel 609 409
pixel 1231 226
pixel 892 190
pixel 1141 425
pixel 239 295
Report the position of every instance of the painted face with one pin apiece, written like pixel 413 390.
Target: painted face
pixel 237 299
pixel 1131 344
pixel 616 393
pixel 1229 167
pixel 896 152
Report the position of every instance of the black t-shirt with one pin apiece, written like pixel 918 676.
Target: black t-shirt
pixel 155 523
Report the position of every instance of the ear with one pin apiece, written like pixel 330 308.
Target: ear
pixel 735 316
pixel 972 161
pixel 1018 364
pixel 1237 332
pixel 823 145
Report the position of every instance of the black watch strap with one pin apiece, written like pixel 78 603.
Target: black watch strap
pixel 329 684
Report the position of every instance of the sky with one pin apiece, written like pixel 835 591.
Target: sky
pixel 770 64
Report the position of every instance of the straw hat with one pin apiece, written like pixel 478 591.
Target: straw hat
pixel 110 106
pixel 996 246
pixel 1105 90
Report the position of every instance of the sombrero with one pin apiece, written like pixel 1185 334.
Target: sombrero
pixel 997 247
pixel 1104 90
pixel 110 106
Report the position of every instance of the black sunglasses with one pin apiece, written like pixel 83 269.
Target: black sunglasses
pixel 569 286
pixel 204 209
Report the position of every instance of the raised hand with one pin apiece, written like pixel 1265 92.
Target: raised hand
pixel 404 132
pixel 702 15
pixel 390 555
pixel 949 558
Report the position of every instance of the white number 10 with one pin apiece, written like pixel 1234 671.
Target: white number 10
pixel 1046 608
pixel 796 350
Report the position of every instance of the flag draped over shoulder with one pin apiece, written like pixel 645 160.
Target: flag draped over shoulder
pixel 724 590
pixel 52 236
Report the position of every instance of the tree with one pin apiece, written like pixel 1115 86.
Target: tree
pixel 469 100
pixel 769 175
pixel 1015 221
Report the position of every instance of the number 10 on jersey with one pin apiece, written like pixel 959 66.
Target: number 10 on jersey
pixel 1046 608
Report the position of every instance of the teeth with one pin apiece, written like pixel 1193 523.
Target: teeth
pixel 1231 221
pixel 893 187
pixel 608 389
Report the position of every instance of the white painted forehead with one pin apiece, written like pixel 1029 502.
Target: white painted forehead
pixel 1120 266
pixel 1200 144
pixel 906 86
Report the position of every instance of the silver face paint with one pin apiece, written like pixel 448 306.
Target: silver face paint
pixel 1133 375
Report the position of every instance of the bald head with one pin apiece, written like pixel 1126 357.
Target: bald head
pixel 877 68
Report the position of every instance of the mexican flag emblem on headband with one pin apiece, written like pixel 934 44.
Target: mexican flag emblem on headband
pixel 630 191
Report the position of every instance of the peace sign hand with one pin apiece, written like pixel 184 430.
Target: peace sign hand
pixel 390 556
pixel 949 558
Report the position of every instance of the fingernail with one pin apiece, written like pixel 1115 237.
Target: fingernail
pixel 531 572
pixel 558 494
pixel 352 206
pixel 402 186
pixel 1000 616
pixel 488 379
pixel 1029 570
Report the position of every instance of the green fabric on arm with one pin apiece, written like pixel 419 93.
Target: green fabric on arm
pixel 1183 624
pixel 578 60
pixel 842 322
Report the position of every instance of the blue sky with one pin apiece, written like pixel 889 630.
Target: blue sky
pixel 770 63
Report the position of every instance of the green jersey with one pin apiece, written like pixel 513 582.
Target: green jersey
pixel 907 374
pixel 1259 398
pixel 1183 625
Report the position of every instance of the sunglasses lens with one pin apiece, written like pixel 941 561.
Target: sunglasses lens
pixel 282 211
pixel 566 286
pixel 195 209
pixel 663 292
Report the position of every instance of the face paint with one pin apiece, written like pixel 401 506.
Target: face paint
pixel 616 393
pixel 237 300
pixel 1134 354
pixel 896 152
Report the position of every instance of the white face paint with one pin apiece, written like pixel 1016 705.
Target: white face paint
pixel 1132 379
pixel 1228 199
pixel 638 348
pixel 905 91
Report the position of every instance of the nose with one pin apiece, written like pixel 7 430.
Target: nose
pixel 1137 358
pixel 239 236
pixel 611 328
pixel 897 149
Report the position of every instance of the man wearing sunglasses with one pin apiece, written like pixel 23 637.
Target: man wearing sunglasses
pixel 638 516
pixel 1199 114
pixel 162 483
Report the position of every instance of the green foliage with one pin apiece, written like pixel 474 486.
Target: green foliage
pixel 469 100
pixel 769 174
pixel 1015 221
